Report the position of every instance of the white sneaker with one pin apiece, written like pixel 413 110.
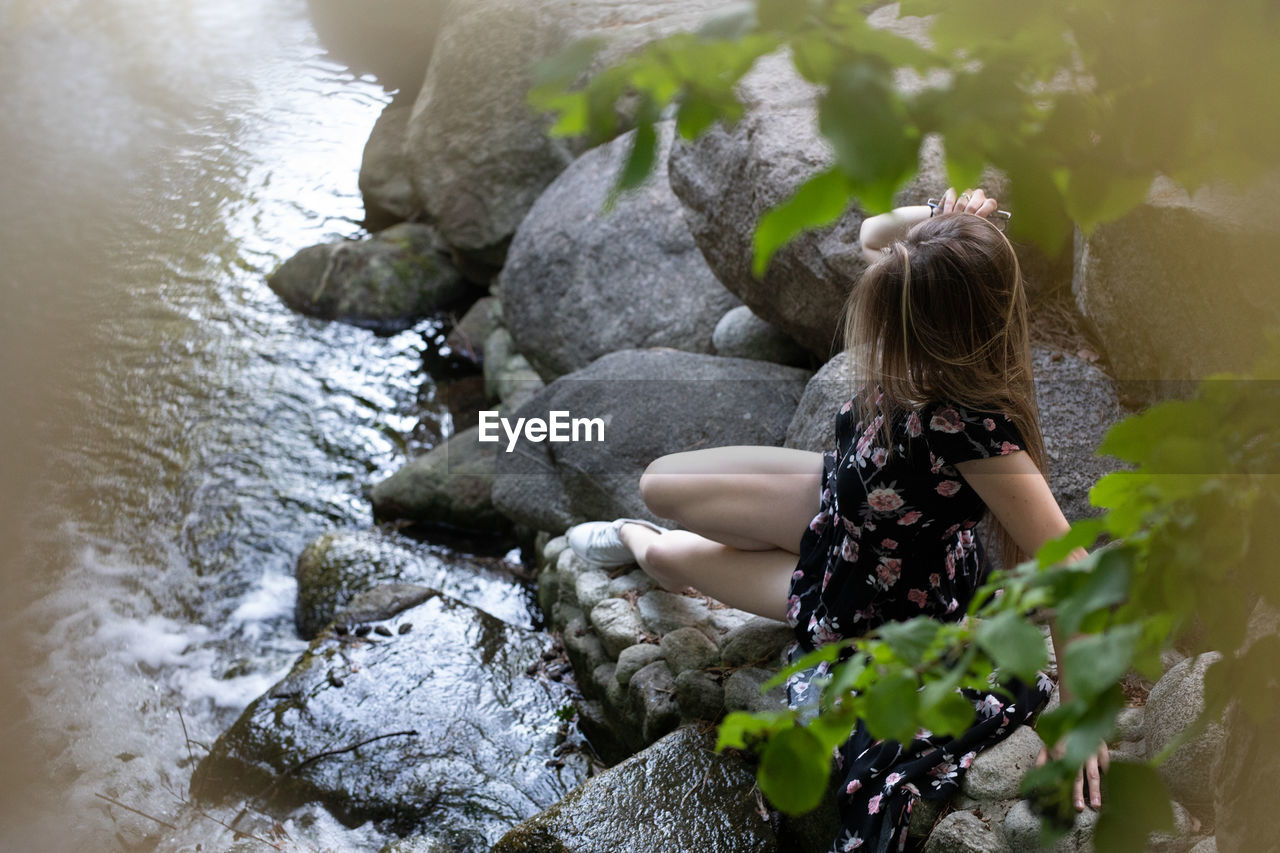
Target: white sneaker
pixel 598 542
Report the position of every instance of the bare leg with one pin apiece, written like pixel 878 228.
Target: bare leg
pixel 753 498
pixel 746 509
pixel 756 581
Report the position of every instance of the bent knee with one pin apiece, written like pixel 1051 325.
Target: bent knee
pixel 661 490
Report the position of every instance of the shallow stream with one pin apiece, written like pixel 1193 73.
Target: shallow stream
pixel 170 435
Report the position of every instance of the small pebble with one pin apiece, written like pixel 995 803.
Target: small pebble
pixel 335 679
pixel 341 630
pixel 406 628
pixel 553 762
pixel 363 630
pixel 382 630
pixel 531 669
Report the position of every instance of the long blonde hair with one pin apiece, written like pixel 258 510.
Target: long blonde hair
pixel 942 316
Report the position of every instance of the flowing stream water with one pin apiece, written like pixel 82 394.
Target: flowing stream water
pixel 170 435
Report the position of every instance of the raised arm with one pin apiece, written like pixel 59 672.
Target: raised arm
pixel 1017 494
pixel 880 231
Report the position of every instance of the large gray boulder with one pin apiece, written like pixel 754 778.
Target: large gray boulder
pixel 415 728
pixel 1077 402
pixel 480 152
pixel 729 177
pixel 388 192
pixel 678 795
pixel 579 283
pixel 1245 815
pixel 449 486
pixel 392 39
pixel 652 402
pixel 386 283
pixel 1174 703
pixel 1184 286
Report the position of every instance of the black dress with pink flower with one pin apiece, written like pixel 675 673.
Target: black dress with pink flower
pixel 895 538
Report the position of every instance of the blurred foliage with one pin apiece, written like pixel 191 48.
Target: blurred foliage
pixel 1081 103
pixel 1193 548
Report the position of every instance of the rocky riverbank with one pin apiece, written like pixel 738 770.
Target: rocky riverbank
pixel 452 723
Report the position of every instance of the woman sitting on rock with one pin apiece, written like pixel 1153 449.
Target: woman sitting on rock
pixel 941 429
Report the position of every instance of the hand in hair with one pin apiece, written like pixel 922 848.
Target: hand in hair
pixel 880 232
pixel 975 202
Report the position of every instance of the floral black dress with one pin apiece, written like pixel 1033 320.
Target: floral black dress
pixel 894 538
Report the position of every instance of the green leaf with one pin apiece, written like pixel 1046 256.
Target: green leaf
pixel 794 770
pixel 818 201
pixel 1096 195
pixel 1014 644
pixel 876 146
pixel 890 706
pixel 1083 534
pixel 910 639
pixel 1137 804
pixel 738 729
pixel 1095 663
pixel 1092 728
pixel 951 715
pixel 823 654
pixel 638 166
pixel 1107 585
pixel 558 71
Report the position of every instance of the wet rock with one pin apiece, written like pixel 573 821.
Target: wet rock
pixel 1214 305
pixel 481 153
pixel 444 717
pixel 337 566
pixel 688 648
pixel 382 602
pixel 635 658
pixel 652 694
pixel 388 192
pixel 584 648
pixel 1173 704
pixel 616 624
pixel 678 795
pixel 663 612
pixel 467 337
pixel 386 283
pixel 699 696
pixel 448 486
pixel 741 334
pixel 757 641
pixel 962 832
pixel 575 275
pixel 391 39
pixel 997 772
pixel 742 691
pixel 700 401
pixel 1022 831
